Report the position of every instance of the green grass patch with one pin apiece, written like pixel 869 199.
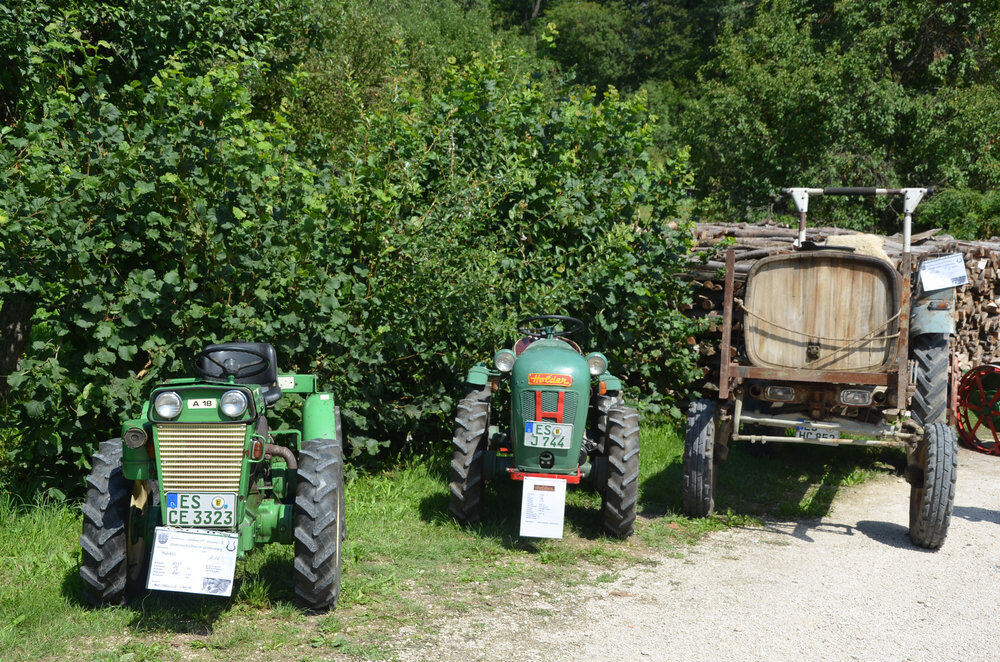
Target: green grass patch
pixel 406 566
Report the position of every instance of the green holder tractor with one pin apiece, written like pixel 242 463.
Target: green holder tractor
pixel 567 421
pixel 199 479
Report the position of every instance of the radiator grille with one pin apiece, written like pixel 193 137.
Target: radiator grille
pixel 550 402
pixel 201 458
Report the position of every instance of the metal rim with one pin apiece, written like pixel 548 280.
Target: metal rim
pixel 978 415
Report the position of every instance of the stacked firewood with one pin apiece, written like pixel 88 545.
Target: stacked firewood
pixel 977 339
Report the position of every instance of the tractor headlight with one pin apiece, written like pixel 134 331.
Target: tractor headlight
pixel 597 364
pixel 134 437
pixel 233 403
pixel 167 404
pixel 504 360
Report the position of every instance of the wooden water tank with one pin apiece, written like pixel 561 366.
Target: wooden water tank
pixel 822 310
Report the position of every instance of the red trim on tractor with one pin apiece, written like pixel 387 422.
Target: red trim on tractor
pixel 573 479
pixel 556 415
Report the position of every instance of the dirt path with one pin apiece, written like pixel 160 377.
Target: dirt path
pixel 847 587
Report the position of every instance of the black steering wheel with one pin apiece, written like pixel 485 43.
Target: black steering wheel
pixel 571 325
pixel 242 370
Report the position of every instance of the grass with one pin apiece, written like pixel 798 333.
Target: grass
pixel 407 566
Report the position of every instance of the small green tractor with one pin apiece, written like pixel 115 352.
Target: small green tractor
pixel 199 479
pixel 567 422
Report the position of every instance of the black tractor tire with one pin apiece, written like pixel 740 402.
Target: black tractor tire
pixel 698 490
pixel 339 431
pixel 468 448
pixel 319 514
pixel 602 405
pixel 931 352
pixel 104 566
pixel 620 492
pixel 932 472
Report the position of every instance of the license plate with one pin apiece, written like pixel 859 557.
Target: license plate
pixel 545 434
pixel 196 509
pixel 203 403
pixel 807 431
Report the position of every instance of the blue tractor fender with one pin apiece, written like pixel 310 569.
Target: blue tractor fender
pixel 933 312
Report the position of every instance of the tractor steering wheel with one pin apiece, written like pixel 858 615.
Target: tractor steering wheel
pixel 240 371
pixel 571 326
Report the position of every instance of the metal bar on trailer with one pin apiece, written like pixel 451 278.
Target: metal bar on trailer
pixel 903 327
pixel 828 376
pixel 824 442
pixel 727 324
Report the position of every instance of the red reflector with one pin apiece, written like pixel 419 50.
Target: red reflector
pixel 569 478
pixel 604 388
pixel 258 450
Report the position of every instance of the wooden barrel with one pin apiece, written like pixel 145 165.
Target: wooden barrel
pixel 822 310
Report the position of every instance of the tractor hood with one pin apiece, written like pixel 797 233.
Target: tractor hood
pixel 550 383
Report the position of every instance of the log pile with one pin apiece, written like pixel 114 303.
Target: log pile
pixel 977 304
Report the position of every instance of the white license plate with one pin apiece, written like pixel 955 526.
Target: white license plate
pixel 197 509
pixel 546 434
pixel 807 431
pixel 203 403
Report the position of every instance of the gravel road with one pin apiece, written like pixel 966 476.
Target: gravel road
pixel 847 587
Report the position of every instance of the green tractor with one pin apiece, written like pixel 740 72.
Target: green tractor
pixel 567 422
pixel 199 479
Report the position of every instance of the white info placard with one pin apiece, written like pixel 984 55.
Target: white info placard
pixel 543 507
pixel 193 561
pixel 942 272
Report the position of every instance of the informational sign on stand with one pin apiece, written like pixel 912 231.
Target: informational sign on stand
pixel 543 507
pixel 193 561
pixel 942 272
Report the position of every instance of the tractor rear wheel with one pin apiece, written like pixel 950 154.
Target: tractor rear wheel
pixel 700 458
pixel 104 566
pixel 932 470
pixel 319 515
pixel 467 456
pixel 620 492
pixel 931 352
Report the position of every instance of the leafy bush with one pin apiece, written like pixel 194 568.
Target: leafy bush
pixel 149 220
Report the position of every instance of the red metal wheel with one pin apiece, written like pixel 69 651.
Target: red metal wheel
pixel 978 415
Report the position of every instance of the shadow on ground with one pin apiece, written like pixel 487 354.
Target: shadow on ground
pixel 263 579
pixel 791 486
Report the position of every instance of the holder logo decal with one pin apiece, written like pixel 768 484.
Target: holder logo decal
pixel 547 379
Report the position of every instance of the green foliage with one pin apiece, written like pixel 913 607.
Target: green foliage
pixel 885 93
pixel 152 218
pixel 595 39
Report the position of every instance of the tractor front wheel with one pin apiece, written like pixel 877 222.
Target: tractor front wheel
pixel 699 458
pixel 621 490
pixel 104 566
pixel 467 456
pixel 319 515
pixel 932 469
pixel 931 352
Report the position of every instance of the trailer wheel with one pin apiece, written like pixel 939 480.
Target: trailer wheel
pixel 699 458
pixel 319 512
pixel 104 566
pixel 932 469
pixel 931 351
pixel 620 492
pixel 467 455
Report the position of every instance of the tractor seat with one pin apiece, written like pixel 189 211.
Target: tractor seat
pixel 238 354
pixel 523 343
